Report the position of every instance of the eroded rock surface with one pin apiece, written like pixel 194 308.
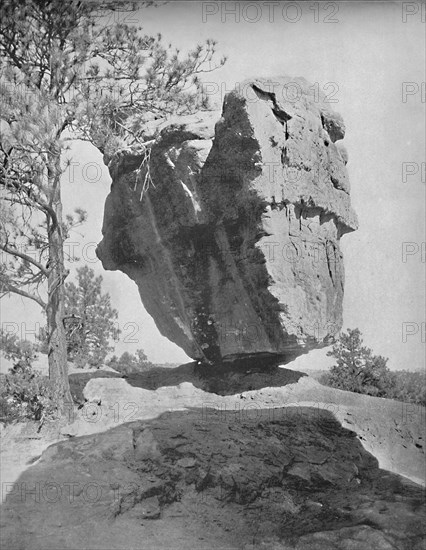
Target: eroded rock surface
pixel 235 245
pixel 272 479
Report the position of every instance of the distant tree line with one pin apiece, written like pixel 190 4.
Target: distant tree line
pixel 130 363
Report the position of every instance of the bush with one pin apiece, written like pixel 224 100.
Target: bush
pixel 26 395
pixel 410 387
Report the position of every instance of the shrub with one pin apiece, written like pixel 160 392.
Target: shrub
pixel 410 387
pixel 26 395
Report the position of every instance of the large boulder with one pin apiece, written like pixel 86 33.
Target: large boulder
pixel 230 223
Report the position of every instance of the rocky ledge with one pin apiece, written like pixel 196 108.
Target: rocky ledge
pixel 230 223
pixel 250 478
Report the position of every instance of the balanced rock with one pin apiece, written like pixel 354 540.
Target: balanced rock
pixel 230 223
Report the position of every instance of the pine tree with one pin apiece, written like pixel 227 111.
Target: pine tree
pixel 90 321
pixel 357 369
pixel 68 72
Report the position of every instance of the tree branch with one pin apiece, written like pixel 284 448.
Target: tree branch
pixel 25 257
pixel 16 290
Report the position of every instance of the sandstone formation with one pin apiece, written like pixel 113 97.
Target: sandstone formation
pixel 199 479
pixel 234 246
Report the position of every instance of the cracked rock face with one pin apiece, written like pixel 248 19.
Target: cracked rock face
pixel 192 479
pixel 235 244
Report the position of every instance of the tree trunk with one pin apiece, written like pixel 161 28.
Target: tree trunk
pixel 57 345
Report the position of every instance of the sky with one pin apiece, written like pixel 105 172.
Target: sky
pixel 370 59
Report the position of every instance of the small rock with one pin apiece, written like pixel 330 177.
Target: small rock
pixel 301 470
pixel 145 446
pixel 149 508
pixel 186 462
pixel 317 506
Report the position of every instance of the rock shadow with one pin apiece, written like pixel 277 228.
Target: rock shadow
pixel 222 379
pixel 79 380
pixel 201 479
